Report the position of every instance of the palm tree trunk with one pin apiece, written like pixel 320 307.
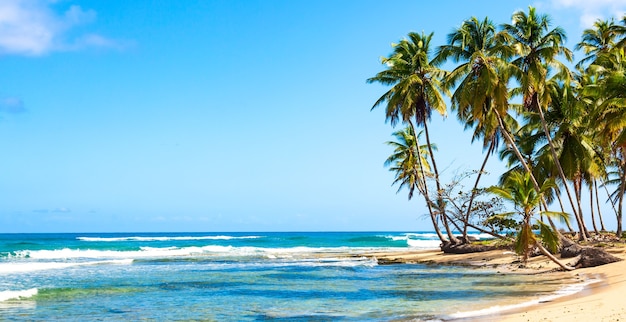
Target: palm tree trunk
pixel 489 232
pixel 595 184
pixel 622 173
pixel 558 197
pixel 471 201
pixel 577 191
pixel 444 220
pixel 511 143
pixel 553 258
pixel 440 201
pixel 433 217
pixel 454 223
pixel 558 166
pixel 578 185
pixel 593 220
pixel 610 200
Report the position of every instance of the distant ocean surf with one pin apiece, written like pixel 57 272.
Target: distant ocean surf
pixel 318 276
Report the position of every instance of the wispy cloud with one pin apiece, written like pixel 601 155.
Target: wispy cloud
pixel 591 10
pixel 37 27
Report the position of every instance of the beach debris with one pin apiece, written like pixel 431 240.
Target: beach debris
pixel 450 248
pixel 594 256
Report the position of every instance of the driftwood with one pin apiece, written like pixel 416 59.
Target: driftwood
pixel 450 248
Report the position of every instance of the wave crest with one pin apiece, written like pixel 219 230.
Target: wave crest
pixel 163 238
pixel 16 295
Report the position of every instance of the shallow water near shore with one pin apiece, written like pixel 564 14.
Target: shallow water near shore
pixel 242 276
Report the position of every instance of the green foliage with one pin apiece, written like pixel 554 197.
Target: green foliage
pixel 548 236
pixel 501 223
pixel 573 122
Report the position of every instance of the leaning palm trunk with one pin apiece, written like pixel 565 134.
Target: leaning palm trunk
pixel 519 156
pixel 577 215
pixel 558 197
pixel 441 208
pixel 424 190
pixel 471 200
pixel 553 258
pixel 511 143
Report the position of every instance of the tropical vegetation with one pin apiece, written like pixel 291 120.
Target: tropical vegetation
pixel 559 126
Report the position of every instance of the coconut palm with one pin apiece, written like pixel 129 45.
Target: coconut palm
pixel 610 93
pixel 479 87
pixel 409 161
pixel 537 48
pixel 597 40
pixel 520 191
pixel 415 93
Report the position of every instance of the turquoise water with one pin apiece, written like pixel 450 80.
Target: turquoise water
pixel 239 277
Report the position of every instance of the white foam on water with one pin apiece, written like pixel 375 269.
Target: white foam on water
pixel 565 291
pixel 481 236
pixel 15 295
pixel 423 244
pixel 24 267
pixel 165 252
pixel 163 238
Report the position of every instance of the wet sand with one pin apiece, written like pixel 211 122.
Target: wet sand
pixel 602 299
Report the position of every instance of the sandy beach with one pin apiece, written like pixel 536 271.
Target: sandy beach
pixel 600 300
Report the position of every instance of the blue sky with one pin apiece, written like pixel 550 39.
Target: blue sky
pixel 218 115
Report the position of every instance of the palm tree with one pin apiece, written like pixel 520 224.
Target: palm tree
pixel 610 93
pixel 480 89
pixel 520 190
pixel 409 161
pixel 415 93
pixel 597 40
pixel 537 47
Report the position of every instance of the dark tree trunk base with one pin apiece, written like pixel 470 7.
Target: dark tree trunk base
pixel 449 248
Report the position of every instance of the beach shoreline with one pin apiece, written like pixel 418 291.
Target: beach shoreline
pixel 596 296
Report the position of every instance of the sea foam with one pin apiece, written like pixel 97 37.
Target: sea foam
pixel 14 295
pixel 494 310
pixel 165 252
pixel 163 238
pixel 6 268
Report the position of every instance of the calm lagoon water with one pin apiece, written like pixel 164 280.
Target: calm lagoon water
pixel 241 277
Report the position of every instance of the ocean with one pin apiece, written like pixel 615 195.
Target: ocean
pixel 283 276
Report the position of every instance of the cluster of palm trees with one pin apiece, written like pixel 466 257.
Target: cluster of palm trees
pixel 561 130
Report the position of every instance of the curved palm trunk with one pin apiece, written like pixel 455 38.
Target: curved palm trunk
pixel 433 217
pixel 519 156
pixel 439 196
pixel 471 201
pixel 553 258
pixel 577 215
pixel 595 184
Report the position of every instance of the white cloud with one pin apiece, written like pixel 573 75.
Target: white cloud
pixel 591 10
pixel 34 27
